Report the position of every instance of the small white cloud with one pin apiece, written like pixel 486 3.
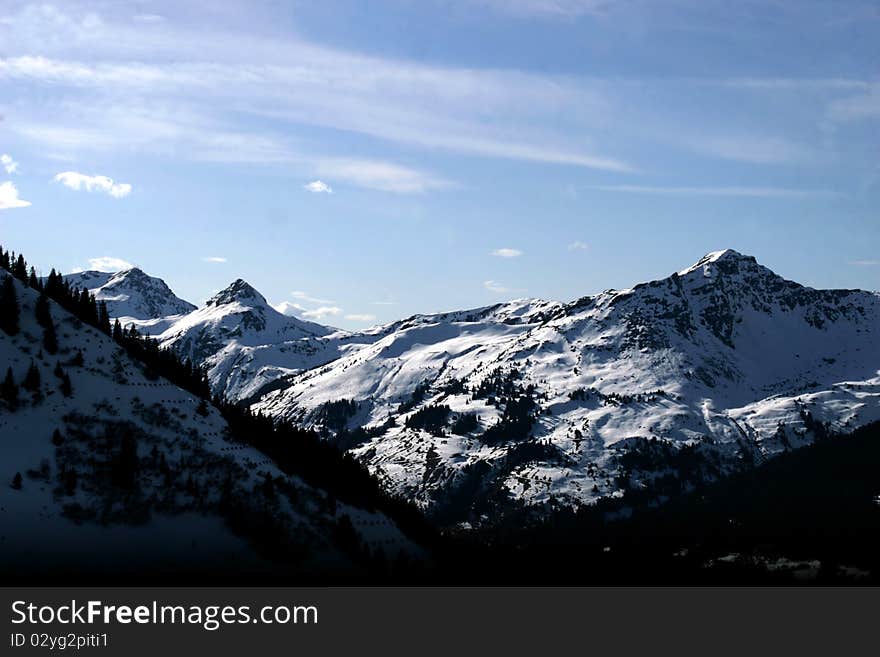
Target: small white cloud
pixel 9 197
pixel 8 163
pixel 322 312
pixel 577 245
pixel 289 309
pixel 361 317
pixel 109 263
pixel 865 263
pixel 506 253
pixel 148 18
pixel 384 303
pixel 318 187
pixel 78 181
pixel 214 259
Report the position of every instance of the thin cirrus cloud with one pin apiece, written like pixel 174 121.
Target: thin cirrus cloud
pixel 546 8
pixel 318 187
pixel 747 192
pixel 291 79
pixel 80 181
pixel 361 317
pixel 214 259
pixel 9 197
pixel 8 164
pixel 506 253
pixel 383 176
pixel 308 298
pixel 577 245
pixel 865 263
pixel 109 264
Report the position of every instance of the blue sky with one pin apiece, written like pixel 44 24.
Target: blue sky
pixel 365 161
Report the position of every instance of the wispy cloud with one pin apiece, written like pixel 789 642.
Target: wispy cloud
pixel 355 317
pixel 215 259
pixel 546 8
pixel 78 181
pixel 384 303
pixel 498 288
pixel 9 197
pixel 506 253
pixel 109 263
pixel 751 149
pixel 482 112
pixel 305 296
pixel 10 165
pixel 577 245
pixel 148 18
pixel 749 192
pixel 318 187
pixel 865 263
pixel 861 106
pixel 382 176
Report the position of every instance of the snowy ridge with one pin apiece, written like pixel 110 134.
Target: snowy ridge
pixel 724 358
pixel 67 514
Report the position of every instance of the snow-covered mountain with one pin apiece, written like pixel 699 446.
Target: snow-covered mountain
pixel 121 471
pixel 652 388
pixel 131 294
pixel 244 342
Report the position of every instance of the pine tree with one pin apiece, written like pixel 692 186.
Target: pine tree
pixel 9 310
pixel 31 380
pixel 41 310
pixel 19 269
pixel 117 331
pixel 70 479
pixel 124 467
pixel 16 482
pixel 9 390
pixel 66 386
pixel 53 285
pixel 33 281
pixel 103 318
pixel 57 438
pixel 50 340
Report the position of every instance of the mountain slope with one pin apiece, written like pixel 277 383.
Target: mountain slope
pixel 121 471
pixel 672 382
pixel 131 294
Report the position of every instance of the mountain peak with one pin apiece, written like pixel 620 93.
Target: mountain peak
pixel 131 293
pixel 239 291
pixel 724 256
